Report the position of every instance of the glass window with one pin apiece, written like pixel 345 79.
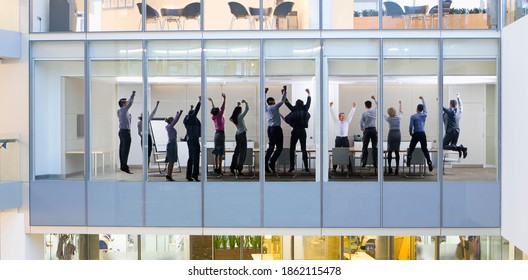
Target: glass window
pixel 58 114
pixel 337 15
pixel 233 132
pixel 410 137
pixel 470 110
pixel 174 69
pixel 57 16
pixel 276 15
pixel 9 15
pixel 292 71
pixel 123 15
pixel 473 14
pixel 116 97
pixel 352 80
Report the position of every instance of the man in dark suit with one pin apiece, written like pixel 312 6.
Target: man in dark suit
pixel 193 127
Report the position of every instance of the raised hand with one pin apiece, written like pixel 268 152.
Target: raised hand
pixel 244 101
pixel 420 97
pixel 331 104
pixel 373 97
pixel 308 91
pixel 353 104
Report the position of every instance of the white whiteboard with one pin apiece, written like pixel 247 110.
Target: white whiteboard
pixel 159 134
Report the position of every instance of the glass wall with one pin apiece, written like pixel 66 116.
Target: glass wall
pixel 292 70
pixel 470 108
pixel 168 15
pixel 352 81
pixel 410 79
pixel 116 100
pixel 174 69
pixel 9 15
pixel 240 247
pixel 233 129
pixel 59 111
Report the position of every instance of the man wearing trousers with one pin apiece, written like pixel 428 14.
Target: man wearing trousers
pixel 370 134
pixel 124 131
pixel 193 127
pixel 417 131
pixel 275 135
pixel 341 124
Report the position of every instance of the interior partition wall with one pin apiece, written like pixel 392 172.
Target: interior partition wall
pixel 67 188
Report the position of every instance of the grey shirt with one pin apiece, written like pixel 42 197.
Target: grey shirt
pixel 150 117
pixel 171 131
pixel 241 125
pixel 368 118
pixel 124 116
pixel 272 112
pixel 394 122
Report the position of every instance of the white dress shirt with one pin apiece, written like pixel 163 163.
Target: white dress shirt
pixel 341 127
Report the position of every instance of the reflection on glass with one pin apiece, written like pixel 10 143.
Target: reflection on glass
pixel 273 15
pixel 51 16
pixel 411 81
pixel 470 111
pixel 59 94
pixel 322 247
pixel 298 117
pixel 159 247
pixel 227 247
pixel 174 81
pixel 233 139
pixel 116 75
pixel 272 247
pixel 124 15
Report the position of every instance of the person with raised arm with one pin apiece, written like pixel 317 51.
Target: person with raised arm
pixel 275 134
pixel 341 124
pixel 394 136
pixel 172 147
pixel 367 124
pixel 417 131
pixel 140 130
pixel 193 127
pixel 219 138
pixel 239 156
pixel 125 139
pixel 298 119
pixel 452 116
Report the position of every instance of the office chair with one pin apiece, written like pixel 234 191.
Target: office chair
pixel 416 13
pixel 433 13
pixel 239 12
pixel 393 9
pixel 266 16
pixel 341 157
pixel 191 11
pixel 172 15
pixel 282 11
pixel 152 15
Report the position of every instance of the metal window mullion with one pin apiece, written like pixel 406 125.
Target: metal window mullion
pixel 262 129
pixel 322 109
pixel 381 68
pixel 202 141
pixel 87 125
pixel 440 124
pixel 144 143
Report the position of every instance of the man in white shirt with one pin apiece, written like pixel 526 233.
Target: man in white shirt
pixel 341 128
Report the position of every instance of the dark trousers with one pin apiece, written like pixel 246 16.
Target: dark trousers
pixel 149 146
pixel 298 134
pixel 342 142
pixel 450 140
pixel 422 138
pixel 276 140
pixel 193 163
pixel 370 134
pixel 124 148
pixel 239 156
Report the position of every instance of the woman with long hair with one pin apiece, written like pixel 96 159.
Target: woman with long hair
pixel 219 138
pixel 239 157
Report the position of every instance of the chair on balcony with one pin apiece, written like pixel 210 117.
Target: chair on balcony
pixel 282 11
pixel 172 15
pixel 266 16
pixel 152 16
pixel 394 10
pixel 416 13
pixel 239 12
pixel 191 11
pixel 433 13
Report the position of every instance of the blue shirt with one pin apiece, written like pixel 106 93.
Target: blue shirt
pixel 368 118
pixel 417 123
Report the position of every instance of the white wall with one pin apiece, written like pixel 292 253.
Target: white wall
pixel 514 153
